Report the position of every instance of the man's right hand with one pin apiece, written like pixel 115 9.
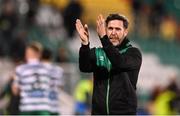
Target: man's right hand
pixel 83 32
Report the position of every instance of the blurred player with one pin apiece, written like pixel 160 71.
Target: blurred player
pixel 33 83
pixel 55 73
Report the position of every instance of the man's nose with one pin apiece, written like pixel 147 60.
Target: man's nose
pixel 113 31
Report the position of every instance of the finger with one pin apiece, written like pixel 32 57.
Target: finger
pixel 100 16
pixel 98 29
pixel 77 27
pixel 79 24
pixel 97 22
pixel 86 28
pixel 101 19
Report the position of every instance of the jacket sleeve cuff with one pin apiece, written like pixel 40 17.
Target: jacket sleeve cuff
pixel 85 46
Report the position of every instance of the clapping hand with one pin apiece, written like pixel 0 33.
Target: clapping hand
pixel 83 32
pixel 101 26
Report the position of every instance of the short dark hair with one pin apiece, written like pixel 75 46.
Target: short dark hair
pixel 118 17
pixel 46 54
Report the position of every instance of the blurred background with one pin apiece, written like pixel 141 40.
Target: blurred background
pixel 154 29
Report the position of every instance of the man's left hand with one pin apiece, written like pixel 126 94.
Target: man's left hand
pixel 101 26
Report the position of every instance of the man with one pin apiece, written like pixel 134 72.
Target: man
pixel 32 83
pixel 115 66
pixel 55 73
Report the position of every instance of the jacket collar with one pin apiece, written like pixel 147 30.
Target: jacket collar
pixel 125 43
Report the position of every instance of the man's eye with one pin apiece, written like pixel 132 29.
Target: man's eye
pixel 110 28
pixel 118 29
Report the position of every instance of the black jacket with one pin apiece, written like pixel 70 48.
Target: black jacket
pixel 114 91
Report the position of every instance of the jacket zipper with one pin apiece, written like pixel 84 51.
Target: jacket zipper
pixel 108 88
pixel 107 98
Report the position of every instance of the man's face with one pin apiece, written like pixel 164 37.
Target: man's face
pixel 116 31
pixel 31 54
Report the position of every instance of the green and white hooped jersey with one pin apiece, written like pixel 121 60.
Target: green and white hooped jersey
pixel 37 85
pixel 57 81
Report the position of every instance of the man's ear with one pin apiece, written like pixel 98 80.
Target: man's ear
pixel 125 32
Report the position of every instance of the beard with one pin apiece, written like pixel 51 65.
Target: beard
pixel 115 40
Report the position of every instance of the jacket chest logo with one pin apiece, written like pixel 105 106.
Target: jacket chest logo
pixel 101 58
